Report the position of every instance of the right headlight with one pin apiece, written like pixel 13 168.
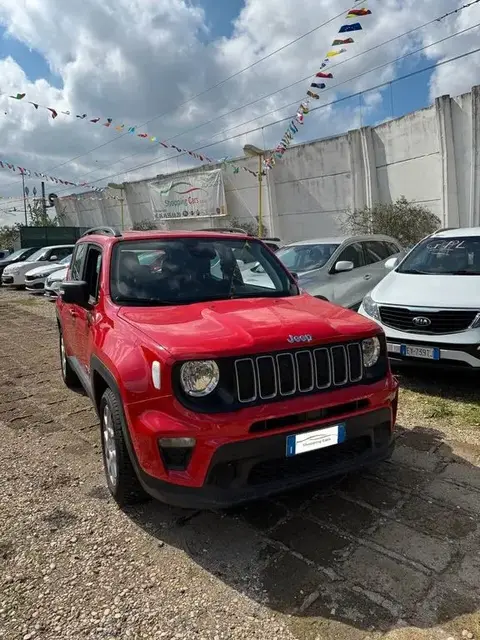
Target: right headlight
pixel 370 307
pixel 199 377
pixel 371 352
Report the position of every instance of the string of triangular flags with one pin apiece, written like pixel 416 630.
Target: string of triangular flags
pixel 9 166
pixel 131 130
pixel 338 47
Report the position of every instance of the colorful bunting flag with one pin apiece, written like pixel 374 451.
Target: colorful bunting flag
pixel 358 13
pixel 108 122
pixel 350 27
pixel 303 109
pixel 82 117
pixel 19 96
pixel 53 112
pixel 34 104
pixel 337 42
pixel 94 120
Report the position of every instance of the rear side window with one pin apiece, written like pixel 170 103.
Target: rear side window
pixel 92 271
pixel 76 267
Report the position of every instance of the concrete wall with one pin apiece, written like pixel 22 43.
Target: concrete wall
pixel 431 156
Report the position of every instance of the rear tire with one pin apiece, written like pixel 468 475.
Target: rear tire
pixel 122 481
pixel 69 376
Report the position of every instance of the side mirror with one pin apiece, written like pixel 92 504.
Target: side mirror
pixel 75 292
pixel 53 258
pixel 344 265
pixel 295 275
pixel 391 263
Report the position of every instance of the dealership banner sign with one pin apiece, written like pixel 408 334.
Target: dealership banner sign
pixel 201 195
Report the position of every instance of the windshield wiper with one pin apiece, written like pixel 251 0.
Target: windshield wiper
pixel 415 271
pixel 464 272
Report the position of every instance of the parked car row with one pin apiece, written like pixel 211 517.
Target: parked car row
pixel 30 268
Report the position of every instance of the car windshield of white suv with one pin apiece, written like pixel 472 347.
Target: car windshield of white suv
pixel 303 257
pixel 190 270
pixel 38 256
pixel 444 256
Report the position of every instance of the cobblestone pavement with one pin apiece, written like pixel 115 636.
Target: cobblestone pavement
pixel 389 554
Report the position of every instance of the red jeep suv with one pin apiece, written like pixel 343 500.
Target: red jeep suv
pixel 212 391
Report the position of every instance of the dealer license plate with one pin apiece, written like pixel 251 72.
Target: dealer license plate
pixel 415 351
pixel 312 440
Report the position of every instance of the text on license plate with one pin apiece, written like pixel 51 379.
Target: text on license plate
pixel 312 440
pixel 415 351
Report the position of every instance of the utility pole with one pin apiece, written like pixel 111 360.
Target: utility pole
pixel 24 199
pixel 44 203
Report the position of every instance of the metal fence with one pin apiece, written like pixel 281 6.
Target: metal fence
pixel 47 236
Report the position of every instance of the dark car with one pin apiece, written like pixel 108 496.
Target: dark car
pixel 16 256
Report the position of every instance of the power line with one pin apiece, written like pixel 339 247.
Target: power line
pixel 386 64
pixel 215 86
pixel 323 106
pixel 409 32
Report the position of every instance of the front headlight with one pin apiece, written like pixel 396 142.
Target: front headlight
pixel 55 284
pixel 371 307
pixel 11 272
pixel 199 377
pixel 371 352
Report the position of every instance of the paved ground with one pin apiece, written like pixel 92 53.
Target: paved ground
pixel 393 554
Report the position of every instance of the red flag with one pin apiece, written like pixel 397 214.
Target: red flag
pixel 142 135
pixel 321 74
pixel 357 13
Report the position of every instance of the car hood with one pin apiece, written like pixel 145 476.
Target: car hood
pixel 59 274
pixel 231 327
pixel 25 266
pixel 44 270
pixel 412 290
pixel 5 262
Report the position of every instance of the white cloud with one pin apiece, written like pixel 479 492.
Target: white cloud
pixel 133 60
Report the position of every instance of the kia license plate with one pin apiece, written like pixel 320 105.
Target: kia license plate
pixel 415 351
pixel 312 440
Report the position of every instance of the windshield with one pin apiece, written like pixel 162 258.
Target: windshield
pixel 189 270
pixel 38 256
pixel 66 260
pixel 444 256
pixel 304 257
pixel 15 254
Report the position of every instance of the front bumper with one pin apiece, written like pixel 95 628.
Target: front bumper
pixel 456 350
pixel 244 471
pixel 246 459
pixel 35 286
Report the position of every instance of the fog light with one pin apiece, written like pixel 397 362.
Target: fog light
pixel 175 443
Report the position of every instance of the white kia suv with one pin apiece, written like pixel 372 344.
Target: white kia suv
pixel 429 303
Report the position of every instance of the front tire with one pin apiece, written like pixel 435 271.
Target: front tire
pixel 69 376
pixel 122 481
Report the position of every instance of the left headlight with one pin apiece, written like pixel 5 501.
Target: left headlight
pixel 371 307
pixel 199 377
pixel 371 352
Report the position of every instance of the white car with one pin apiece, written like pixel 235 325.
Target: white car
pixel 53 282
pixel 35 279
pixel 429 304
pixel 341 270
pixel 14 274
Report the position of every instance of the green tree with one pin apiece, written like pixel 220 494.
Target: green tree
pixel 39 218
pixel 9 235
pixel 406 221
pixel 144 225
pixel 250 227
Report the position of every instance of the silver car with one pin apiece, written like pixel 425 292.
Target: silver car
pixel 342 270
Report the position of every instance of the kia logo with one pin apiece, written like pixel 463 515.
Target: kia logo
pixel 305 338
pixel 421 321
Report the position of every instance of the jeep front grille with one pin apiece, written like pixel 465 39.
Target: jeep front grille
pixel 268 377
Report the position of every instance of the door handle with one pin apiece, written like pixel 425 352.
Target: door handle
pixel 73 313
pixel 367 277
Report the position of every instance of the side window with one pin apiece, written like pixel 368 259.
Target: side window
pixel 63 252
pixel 76 269
pixel 392 249
pixel 375 251
pixel 353 253
pixel 92 272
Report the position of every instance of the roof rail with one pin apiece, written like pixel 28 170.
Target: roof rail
pixel 227 230
pixel 107 231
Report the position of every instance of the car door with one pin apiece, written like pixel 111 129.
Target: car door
pixel 350 287
pixel 87 319
pixel 69 312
